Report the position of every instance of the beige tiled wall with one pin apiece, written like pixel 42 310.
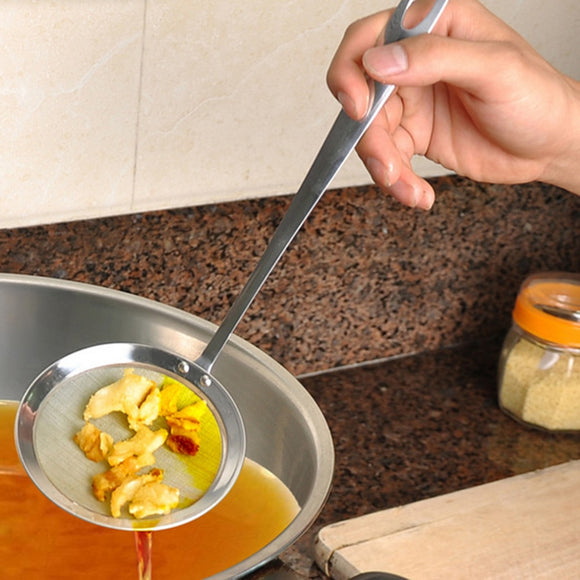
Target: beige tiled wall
pixel 115 106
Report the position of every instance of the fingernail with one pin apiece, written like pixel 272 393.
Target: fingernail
pixel 405 193
pixel 427 199
pixel 386 60
pixel 379 172
pixel 347 104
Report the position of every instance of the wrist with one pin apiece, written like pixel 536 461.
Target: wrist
pixel 563 170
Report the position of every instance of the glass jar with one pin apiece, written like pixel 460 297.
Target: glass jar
pixel 539 370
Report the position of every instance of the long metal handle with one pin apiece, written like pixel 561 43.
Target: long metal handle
pixel 341 140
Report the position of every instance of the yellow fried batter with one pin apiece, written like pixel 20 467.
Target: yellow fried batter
pixel 154 498
pixel 144 441
pixel 95 444
pixel 134 395
pixel 145 494
pixel 108 481
pixel 141 400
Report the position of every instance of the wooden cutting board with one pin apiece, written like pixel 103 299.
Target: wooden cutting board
pixel 523 527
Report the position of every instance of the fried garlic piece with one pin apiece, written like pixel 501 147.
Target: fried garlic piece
pixel 108 481
pixel 127 490
pixel 143 442
pixel 94 443
pixel 154 498
pixel 145 494
pixel 133 394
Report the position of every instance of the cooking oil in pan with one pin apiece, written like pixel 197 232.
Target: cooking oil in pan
pixel 39 540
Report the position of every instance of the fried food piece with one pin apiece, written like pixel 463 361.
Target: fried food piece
pixel 184 428
pixel 145 494
pixel 125 492
pixel 169 398
pixel 148 410
pixel 134 395
pixel 143 442
pixel 94 443
pixel 154 498
pixel 142 401
pixel 189 417
pixel 184 441
pixel 108 481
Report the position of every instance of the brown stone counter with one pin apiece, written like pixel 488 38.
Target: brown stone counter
pixel 366 279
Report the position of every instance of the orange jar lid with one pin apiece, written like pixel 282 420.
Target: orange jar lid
pixel 548 307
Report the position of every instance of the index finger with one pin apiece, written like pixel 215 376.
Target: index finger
pixel 346 78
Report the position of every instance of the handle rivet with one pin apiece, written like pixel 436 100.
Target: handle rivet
pixel 182 368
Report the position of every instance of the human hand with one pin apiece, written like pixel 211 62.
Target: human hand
pixel 473 96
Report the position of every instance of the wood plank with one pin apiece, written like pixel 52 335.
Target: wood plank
pixel 527 526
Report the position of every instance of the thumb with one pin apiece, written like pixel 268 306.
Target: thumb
pixel 429 59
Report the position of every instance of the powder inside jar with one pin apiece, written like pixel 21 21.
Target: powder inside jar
pixel 541 386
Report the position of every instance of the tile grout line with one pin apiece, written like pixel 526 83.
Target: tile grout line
pixel 139 101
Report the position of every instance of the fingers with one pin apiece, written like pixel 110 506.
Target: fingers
pixel 346 78
pixel 413 191
pixel 452 98
pixel 388 166
pixel 467 40
pixel 427 60
pixel 387 158
pixel 466 20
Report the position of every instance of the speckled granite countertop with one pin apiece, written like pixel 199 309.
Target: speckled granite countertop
pixel 417 302
pixel 366 278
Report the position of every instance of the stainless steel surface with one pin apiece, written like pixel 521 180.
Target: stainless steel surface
pixel 44 319
pixel 52 408
pixel 338 145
